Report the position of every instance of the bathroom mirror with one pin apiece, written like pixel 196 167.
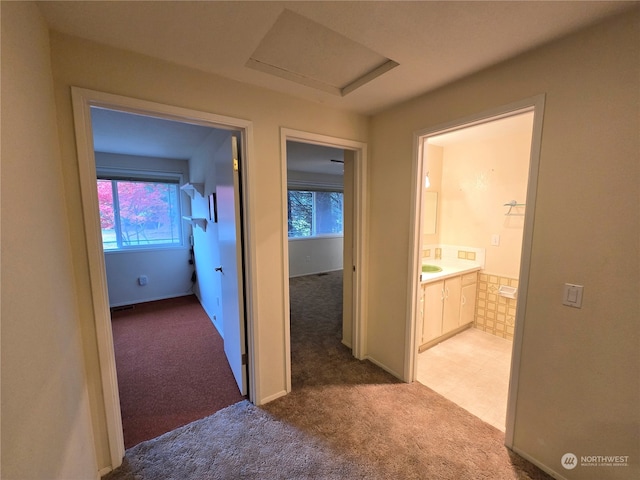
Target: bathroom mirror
pixel 430 208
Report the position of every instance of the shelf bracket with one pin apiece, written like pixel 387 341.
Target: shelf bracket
pixel 198 222
pixel 191 189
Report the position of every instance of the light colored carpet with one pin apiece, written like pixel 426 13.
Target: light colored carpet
pixel 241 441
pixel 344 419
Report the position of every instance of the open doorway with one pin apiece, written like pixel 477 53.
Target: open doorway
pixel 154 177
pixel 222 199
pixel 316 214
pixel 476 191
pixel 349 160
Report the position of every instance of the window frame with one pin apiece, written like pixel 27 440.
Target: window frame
pixel 123 175
pixel 313 191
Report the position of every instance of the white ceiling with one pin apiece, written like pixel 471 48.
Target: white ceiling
pixel 140 135
pixel 512 125
pixel 305 157
pixel 434 42
pixel 317 44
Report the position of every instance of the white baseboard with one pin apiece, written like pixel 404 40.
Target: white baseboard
pixel 540 465
pixel 216 322
pixel 153 299
pixel 306 274
pixel 271 398
pixel 103 471
pixel 384 367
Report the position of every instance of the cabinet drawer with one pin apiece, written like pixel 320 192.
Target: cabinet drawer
pixel 469 278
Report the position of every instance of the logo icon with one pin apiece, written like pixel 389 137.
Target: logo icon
pixel 569 461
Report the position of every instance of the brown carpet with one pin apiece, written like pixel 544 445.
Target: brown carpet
pixel 344 419
pixel 171 367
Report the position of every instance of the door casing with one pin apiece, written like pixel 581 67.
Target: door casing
pixel 535 104
pixel 83 100
pixel 359 258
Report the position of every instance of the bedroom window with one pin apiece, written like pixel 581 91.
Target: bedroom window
pixel 314 213
pixel 137 214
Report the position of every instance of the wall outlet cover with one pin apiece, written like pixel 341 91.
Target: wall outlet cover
pixel 572 295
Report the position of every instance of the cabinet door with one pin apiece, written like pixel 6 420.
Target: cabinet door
pixel 451 310
pixel 420 318
pixel 432 307
pixel 468 304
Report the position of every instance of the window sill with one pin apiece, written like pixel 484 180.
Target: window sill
pixel 146 249
pixel 316 237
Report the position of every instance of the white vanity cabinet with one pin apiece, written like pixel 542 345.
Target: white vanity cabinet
pixel 432 306
pixel 468 298
pixel 451 304
pixel 446 307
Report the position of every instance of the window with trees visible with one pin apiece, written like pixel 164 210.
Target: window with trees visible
pixel 139 214
pixel 314 213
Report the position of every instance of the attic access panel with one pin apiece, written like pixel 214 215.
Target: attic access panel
pixel 303 51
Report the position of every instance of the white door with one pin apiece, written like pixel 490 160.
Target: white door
pixel 231 264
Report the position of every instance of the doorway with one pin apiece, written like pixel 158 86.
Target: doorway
pixel 148 169
pixel 352 158
pixel 478 236
pixel 318 201
pixel 83 101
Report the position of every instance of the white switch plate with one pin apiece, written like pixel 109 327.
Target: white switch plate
pixel 495 240
pixel 572 295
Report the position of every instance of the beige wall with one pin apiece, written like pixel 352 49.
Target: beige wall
pixel 85 64
pixel 46 423
pixel 433 165
pixel 478 178
pixel 579 377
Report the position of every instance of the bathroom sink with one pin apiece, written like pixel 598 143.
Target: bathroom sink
pixel 431 269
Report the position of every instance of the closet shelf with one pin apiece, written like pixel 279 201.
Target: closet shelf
pixel 191 189
pixel 514 204
pixel 198 222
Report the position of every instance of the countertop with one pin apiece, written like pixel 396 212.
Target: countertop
pixel 449 269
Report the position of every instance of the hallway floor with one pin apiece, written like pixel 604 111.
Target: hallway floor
pixel 472 370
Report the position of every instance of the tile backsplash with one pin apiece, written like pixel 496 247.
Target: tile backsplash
pixel 495 314
pixel 453 253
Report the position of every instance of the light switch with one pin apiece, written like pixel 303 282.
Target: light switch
pixel 495 240
pixel 572 295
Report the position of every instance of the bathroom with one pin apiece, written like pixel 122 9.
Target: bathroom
pixel 472 231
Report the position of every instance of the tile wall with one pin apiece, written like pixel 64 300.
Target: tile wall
pixel 495 314
pixel 453 253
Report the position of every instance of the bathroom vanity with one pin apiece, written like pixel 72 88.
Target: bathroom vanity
pixel 447 302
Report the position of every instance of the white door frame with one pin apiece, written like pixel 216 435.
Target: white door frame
pixel 359 236
pixel 83 100
pixel 535 104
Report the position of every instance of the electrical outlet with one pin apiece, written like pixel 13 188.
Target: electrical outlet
pixel 143 280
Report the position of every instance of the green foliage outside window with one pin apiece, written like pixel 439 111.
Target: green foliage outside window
pixel 314 213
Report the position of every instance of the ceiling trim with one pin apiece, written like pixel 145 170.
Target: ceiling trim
pixel 292 76
pixel 318 85
pixel 367 77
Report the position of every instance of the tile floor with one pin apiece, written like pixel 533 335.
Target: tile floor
pixel 472 370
